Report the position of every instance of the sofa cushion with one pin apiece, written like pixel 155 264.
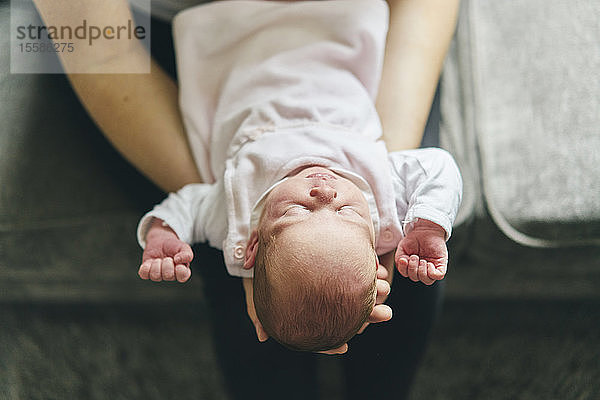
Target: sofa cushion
pixel 522 81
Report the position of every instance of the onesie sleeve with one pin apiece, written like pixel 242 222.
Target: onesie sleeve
pixel 427 184
pixel 183 211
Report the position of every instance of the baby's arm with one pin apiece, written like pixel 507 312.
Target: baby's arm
pixel 428 190
pixel 165 256
pixel 164 233
pixel 422 254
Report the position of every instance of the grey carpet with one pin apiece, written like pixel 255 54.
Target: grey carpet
pixel 488 350
pixel 122 351
pixel 513 350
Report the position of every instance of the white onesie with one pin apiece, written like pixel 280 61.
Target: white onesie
pixel 267 87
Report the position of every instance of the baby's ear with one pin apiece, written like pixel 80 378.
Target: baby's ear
pixel 251 249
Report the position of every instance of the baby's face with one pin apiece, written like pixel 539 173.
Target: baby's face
pixel 317 197
pixel 317 273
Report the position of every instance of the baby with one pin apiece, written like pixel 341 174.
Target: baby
pixel 314 261
pixel 277 100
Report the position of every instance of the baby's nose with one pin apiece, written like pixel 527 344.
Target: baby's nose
pixel 323 193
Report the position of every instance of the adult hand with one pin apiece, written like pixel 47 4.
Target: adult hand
pixel 249 290
pixel 385 275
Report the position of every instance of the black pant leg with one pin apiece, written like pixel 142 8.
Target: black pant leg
pixel 382 362
pixel 251 370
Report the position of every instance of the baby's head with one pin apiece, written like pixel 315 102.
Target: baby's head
pixel 314 261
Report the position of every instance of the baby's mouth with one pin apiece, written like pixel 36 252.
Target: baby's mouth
pixel 321 175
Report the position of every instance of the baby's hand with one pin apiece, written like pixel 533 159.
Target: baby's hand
pixel 165 258
pixel 422 254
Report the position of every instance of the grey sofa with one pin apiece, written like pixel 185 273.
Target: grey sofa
pixel 520 113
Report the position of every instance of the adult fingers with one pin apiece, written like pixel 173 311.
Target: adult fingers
pixel 380 313
pixel 382 272
pixel 383 291
pixel 261 334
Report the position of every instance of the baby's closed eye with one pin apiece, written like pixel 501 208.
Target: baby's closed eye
pixel 347 210
pixel 296 209
pixel 300 209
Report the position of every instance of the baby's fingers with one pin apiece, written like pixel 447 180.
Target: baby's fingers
pixel 423 270
pixel 168 269
pixel 144 271
pixel 184 256
pixel 156 270
pixel 182 272
pixel 436 273
pixel 413 268
pixel 402 265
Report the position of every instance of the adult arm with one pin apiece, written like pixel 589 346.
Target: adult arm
pixel 137 112
pixel 418 38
